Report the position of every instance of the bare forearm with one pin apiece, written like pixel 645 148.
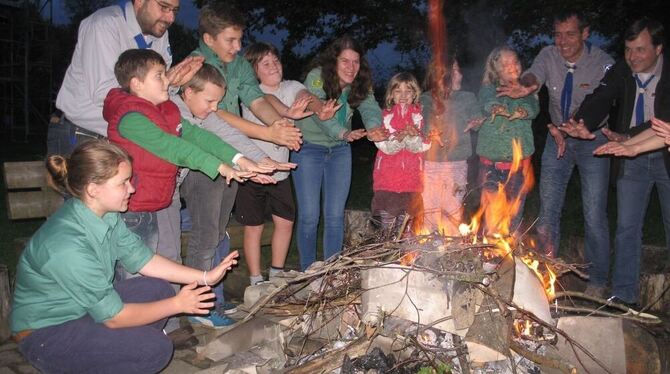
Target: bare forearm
pixel 648 144
pixel 250 129
pixel 278 106
pixel 264 111
pixel 161 267
pixel 142 314
pixel 529 80
pixel 642 137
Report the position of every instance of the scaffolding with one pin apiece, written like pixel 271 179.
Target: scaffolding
pixel 26 80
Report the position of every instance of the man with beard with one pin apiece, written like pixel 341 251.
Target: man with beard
pixel 103 36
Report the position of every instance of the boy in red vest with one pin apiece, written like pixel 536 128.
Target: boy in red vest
pixel 143 121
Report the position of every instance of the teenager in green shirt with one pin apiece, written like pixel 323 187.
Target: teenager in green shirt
pixel 67 315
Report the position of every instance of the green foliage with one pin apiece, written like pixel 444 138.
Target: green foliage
pixel 442 368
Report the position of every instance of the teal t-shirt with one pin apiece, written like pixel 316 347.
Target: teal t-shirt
pixel 67 268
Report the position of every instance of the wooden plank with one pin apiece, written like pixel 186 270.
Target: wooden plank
pixel 5 303
pixel 32 204
pixel 24 175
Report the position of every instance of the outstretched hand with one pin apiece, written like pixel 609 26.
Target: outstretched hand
pixel 353 135
pixel 378 134
pixel 616 149
pixel 474 124
pixel 192 299
pixel 230 174
pixel 661 128
pixel 516 91
pixel 577 129
pixel 613 136
pixel 298 110
pixel 328 109
pixel 181 73
pixel 558 138
pixel 215 275
pixel 283 132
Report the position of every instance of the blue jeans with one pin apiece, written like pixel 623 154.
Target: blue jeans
pixel 594 178
pixel 490 177
pixel 84 346
pixel 326 172
pixel 634 186
pixel 64 136
pixel 145 225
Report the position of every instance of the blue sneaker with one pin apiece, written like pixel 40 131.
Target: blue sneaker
pixel 214 319
pixel 227 308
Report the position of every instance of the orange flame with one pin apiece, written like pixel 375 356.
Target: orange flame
pixel 408 258
pixel 498 209
pixel 549 282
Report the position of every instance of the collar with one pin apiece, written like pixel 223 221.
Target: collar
pixel 134 28
pixel 97 226
pixel 656 72
pixel 210 56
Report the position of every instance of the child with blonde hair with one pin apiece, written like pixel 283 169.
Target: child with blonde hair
pixel 397 179
pixel 508 120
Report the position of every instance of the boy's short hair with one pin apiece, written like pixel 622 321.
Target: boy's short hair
pixel 216 16
pixel 255 52
pixel 135 63
pixel 207 73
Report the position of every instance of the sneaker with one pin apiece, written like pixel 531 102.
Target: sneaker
pixel 596 291
pixel 214 319
pixel 227 308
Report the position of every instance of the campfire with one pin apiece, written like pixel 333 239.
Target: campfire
pixel 484 301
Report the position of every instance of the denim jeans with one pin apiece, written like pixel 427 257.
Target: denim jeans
pixel 64 136
pixel 638 175
pixel 490 177
pixel 84 346
pixel 321 171
pixel 594 178
pixel 145 225
pixel 209 203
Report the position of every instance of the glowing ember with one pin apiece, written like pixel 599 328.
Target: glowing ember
pixel 464 229
pixel 409 258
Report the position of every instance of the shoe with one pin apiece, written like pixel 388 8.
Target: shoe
pixel 596 291
pixel 617 300
pixel 191 342
pixel 227 308
pixel 214 319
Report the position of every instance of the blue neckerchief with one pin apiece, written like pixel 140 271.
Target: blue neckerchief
pixel 139 38
pixel 639 106
pixel 566 94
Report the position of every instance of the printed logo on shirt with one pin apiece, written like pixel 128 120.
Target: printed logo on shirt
pixel 607 67
pixel 317 83
pixel 584 85
pixel 179 128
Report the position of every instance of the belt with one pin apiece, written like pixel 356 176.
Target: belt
pixel 82 131
pixel 503 165
pixel 19 336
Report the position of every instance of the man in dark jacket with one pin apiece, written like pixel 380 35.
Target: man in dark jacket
pixel 641 86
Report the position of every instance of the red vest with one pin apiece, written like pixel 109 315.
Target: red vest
pixel 400 172
pixel 154 179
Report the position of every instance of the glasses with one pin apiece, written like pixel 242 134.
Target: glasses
pixel 166 8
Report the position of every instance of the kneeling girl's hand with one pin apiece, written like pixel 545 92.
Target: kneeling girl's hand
pixel 192 299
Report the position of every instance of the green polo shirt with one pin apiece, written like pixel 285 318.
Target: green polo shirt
pixel 241 82
pixel 67 268
pixel 329 133
pixel 196 148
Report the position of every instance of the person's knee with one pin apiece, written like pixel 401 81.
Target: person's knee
pixel 161 288
pixel 155 353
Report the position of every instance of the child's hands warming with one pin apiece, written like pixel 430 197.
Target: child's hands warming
pixel 498 110
pixel 298 110
pixel 519 113
pixel 230 174
pixel 350 136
